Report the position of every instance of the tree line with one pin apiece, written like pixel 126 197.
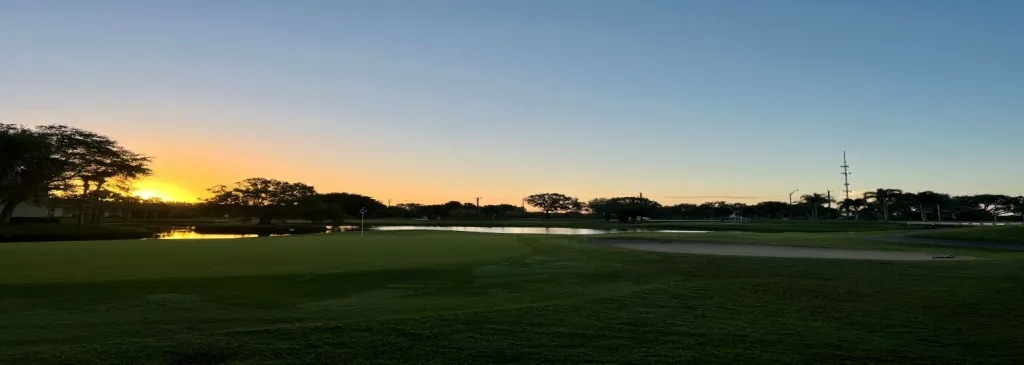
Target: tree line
pixel 266 199
pixel 883 204
pixel 93 174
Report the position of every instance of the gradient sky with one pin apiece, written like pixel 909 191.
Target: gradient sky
pixel 430 101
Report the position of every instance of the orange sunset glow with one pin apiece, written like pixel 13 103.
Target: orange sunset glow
pixel 150 189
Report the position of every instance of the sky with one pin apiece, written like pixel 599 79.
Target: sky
pixel 431 101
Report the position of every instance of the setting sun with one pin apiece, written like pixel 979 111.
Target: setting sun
pixel 150 189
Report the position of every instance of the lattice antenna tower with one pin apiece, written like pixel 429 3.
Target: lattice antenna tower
pixel 846 176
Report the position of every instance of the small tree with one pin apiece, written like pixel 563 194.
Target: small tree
pixel 926 200
pixel 993 204
pixel 261 197
pixel 1017 206
pixel 853 206
pixel 553 203
pixel 883 197
pixel 815 200
pixel 630 208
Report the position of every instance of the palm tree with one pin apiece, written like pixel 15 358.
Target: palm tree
pixel 815 200
pixel 929 199
pixel 853 205
pixel 884 197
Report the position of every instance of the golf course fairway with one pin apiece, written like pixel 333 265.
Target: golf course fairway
pixel 449 297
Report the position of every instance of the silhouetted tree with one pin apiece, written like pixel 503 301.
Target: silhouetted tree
pixel 315 210
pixel 883 197
pixel 500 210
pixel 1017 206
pixel 351 204
pixel 771 209
pixel 926 200
pixel 29 168
pixel 853 206
pixel 993 204
pixel 630 208
pixel 815 201
pixel 261 197
pixel 69 160
pixel 554 203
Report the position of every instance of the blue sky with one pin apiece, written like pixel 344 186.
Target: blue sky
pixel 448 100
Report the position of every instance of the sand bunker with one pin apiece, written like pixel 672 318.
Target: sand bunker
pixel 734 249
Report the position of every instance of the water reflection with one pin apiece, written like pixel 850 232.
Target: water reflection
pixel 188 234
pixel 524 230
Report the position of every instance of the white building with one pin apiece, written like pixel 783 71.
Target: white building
pixel 29 210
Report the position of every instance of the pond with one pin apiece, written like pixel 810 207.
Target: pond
pixel 524 230
pixel 190 233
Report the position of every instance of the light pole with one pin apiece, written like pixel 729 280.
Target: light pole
pixel 791 202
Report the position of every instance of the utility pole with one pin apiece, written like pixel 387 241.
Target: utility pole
pixel 846 176
pixel 791 202
pixel 478 202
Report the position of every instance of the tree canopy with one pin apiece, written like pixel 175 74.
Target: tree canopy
pixel 64 160
pixel 554 203
pixel 351 204
pixel 816 200
pixel 625 209
pixel 884 197
pixel 261 197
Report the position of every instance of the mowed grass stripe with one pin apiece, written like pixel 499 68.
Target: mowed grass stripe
pixel 59 262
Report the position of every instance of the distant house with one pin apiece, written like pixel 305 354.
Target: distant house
pixel 30 210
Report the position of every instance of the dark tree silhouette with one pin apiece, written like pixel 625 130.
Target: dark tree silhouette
pixel 351 204
pixel 261 197
pixel 853 206
pixel 815 200
pixel 631 208
pixel 883 197
pixel 64 159
pixel 554 203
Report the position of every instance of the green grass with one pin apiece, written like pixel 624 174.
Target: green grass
pixel 69 232
pixel 1005 234
pixel 746 226
pixel 859 240
pixel 441 297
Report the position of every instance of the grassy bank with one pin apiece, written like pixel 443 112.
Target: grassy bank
pixel 1003 234
pixel 410 297
pixel 744 226
pixel 70 232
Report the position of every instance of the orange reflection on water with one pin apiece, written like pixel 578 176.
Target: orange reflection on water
pixel 187 234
